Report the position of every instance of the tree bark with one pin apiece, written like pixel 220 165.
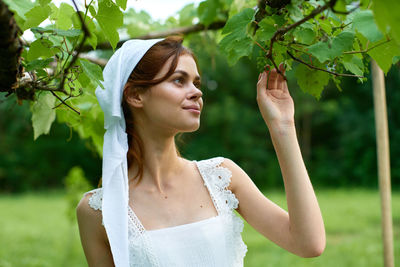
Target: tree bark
pixel 10 50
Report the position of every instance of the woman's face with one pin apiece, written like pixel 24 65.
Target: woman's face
pixel 166 104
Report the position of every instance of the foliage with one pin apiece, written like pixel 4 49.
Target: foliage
pixel 27 164
pixel 335 39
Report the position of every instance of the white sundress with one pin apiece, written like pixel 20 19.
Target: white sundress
pixel 213 242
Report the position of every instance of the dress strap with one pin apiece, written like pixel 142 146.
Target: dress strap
pixel 217 179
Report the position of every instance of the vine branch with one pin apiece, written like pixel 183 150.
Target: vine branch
pixel 281 31
pixel 176 31
pixel 78 50
pixel 63 102
pixel 316 68
pixel 367 49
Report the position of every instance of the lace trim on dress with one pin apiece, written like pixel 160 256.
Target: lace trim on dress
pixel 219 178
pixel 96 198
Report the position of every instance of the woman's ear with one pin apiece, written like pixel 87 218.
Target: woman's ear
pixel 134 98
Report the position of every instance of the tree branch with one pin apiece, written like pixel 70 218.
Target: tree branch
pixel 176 31
pixel 281 31
pixel 316 68
pixel 62 101
pixel 367 49
pixel 77 51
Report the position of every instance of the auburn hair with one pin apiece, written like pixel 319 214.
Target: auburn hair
pixel 140 80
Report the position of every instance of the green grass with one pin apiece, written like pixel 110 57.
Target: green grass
pixel 35 231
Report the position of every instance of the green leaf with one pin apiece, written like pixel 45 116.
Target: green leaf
pixel 92 11
pixel 383 54
pixel 266 29
pixel 304 35
pixel 364 23
pixel 92 70
pixel 387 17
pixel 236 48
pixel 311 81
pixel 237 5
pixel 66 33
pixel 38 64
pixel 236 43
pixel 43 114
pixel 207 11
pixel 187 14
pixel 40 48
pixel 137 23
pixel 239 21
pixel 294 12
pixel 326 25
pixel 44 2
pixel 329 50
pixel 20 7
pixel 92 39
pixel 35 16
pixel 122 3
pixel 110 18
pixel 64 16
pixel 353 64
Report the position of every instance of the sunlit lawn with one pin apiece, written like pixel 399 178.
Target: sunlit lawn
pixel 35 231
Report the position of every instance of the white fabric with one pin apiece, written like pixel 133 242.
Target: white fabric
pixel 213 242
pixel 115 146
pixel 198 244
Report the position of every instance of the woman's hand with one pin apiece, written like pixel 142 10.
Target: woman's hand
pixel 275 103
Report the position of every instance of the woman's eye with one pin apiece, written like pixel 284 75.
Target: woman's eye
pixel 178 80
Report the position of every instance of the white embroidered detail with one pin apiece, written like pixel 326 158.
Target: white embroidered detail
pixel 219 178
pixel 96 198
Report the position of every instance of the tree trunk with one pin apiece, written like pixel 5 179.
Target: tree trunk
pixel 10 50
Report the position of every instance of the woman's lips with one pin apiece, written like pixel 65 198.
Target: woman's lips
pixel 193 110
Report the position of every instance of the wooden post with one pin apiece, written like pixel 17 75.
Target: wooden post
pixel 383 157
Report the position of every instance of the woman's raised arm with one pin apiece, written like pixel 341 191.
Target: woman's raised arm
pixel 300 230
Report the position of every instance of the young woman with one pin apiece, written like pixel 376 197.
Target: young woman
pixel 170 211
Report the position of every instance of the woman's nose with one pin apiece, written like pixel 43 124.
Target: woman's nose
pixel 196 92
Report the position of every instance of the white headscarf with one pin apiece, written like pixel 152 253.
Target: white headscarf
pixel 115 147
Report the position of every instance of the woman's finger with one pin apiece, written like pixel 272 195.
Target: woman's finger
pixel 281 79
pixel 273 79
pixel 262 82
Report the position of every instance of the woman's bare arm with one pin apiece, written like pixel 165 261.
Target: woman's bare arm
pixel 93 235
pixel 300 230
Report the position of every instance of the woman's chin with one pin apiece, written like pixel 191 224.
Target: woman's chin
pixel 191 128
